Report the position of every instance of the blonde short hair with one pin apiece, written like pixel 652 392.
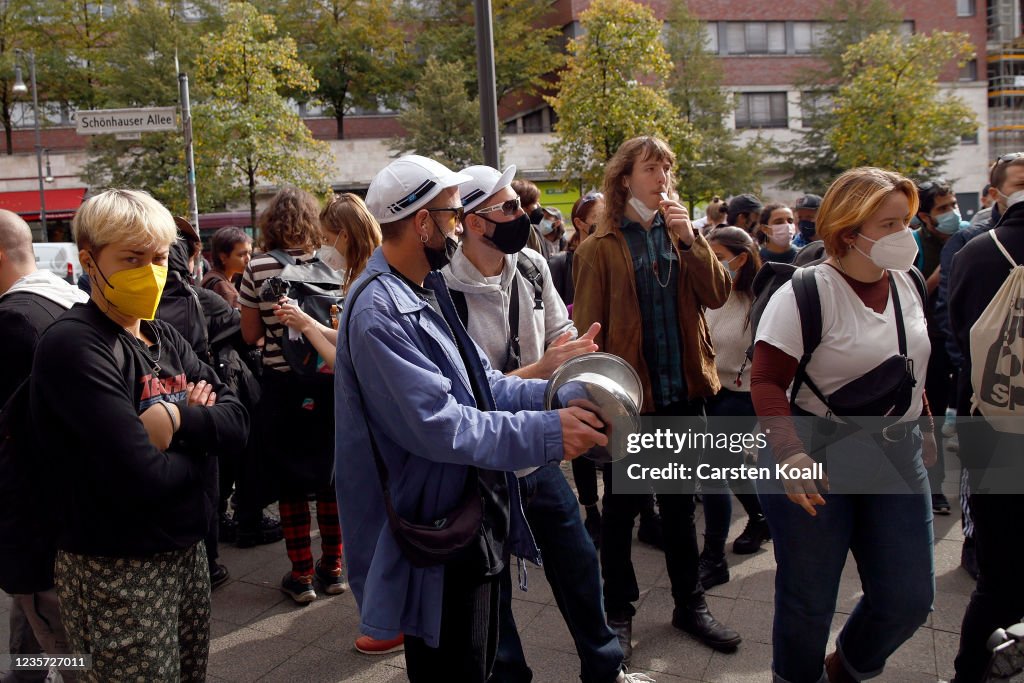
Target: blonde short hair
pixel 123 216
pixel 852 198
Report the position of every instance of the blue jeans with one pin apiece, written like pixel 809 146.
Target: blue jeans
pixel 572 570
pixel 890 536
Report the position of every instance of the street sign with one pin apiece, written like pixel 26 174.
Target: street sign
pixel 106 121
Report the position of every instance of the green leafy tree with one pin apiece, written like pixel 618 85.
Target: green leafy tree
pixel 355 49
pixel 889 111
pixel 245 129
pixel 720 164
pixel 525 45
pixel 442 121
pixel 155 162
pixel 15 18
pixel 611 90
pixel 811 164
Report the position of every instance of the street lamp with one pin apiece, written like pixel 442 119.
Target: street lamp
pixel 49 171
pixel 19 89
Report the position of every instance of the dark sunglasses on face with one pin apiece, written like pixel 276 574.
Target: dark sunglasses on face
pixel 458 212
pixel 509 207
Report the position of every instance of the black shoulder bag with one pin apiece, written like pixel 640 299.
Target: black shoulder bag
pixel 441 540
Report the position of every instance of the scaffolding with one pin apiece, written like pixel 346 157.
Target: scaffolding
pixel 1005 77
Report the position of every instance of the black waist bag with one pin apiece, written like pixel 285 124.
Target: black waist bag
pixel 444 539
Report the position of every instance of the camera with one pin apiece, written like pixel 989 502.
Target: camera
pixel 273 289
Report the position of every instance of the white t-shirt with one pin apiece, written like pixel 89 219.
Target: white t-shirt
pixel 854 339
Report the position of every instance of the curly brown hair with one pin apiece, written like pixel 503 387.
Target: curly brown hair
pixel 621 165
pixel 291 221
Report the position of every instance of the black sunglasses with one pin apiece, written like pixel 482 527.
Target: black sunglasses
pixel 509 207
pixel 459 211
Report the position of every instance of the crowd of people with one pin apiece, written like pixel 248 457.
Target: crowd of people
pixel 388 358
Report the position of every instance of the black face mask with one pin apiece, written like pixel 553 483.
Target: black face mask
pixel 439 258
pixel 536 215
pixel 807 230
pixel 510 237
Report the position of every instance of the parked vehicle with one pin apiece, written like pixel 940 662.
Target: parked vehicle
pixel 60 258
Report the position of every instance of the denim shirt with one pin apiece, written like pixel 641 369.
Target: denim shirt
pixel 417 398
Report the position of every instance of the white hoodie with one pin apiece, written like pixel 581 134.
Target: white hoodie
pixel 45 284
pixel 488 308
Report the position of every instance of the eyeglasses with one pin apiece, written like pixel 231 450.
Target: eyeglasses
pixel 458 212
pixel 929 185
pixel 509 207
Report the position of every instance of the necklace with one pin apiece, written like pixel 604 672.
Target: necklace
pixel 654 260
pixel 154 362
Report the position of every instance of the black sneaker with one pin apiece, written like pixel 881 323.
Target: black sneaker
pixel 228 529
pixel 269 531
pixel 219 575
pixel 298 589
pixel 592 524
pixel 754 534
pixel 330 583
pixel 940 504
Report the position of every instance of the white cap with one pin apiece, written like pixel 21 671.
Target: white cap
pixel 407 184
pixel 486 182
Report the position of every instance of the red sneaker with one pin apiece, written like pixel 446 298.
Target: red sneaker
pixel 372 646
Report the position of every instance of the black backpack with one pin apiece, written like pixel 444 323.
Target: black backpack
pixel 772 276
pixel 317 289
pixel 28 535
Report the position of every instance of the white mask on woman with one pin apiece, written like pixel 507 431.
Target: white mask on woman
pixel 897 251
pixel 330 255
pixel 781 234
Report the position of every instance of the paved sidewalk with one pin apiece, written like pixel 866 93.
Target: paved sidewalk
pixel 258 634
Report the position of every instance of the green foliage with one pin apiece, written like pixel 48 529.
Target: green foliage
pixel 812 163
pixel 611 90
pixel 720 164
pixel 525 48
pixel 245 130
pixel 15 20
pixel 442 121
pixel 355 49
pixel 889 111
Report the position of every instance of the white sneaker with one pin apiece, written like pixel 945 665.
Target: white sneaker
pixel 636 677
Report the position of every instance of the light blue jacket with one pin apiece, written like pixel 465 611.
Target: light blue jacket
pixel 419 402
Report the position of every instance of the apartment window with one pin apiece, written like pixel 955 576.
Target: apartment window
pixel 756 37
pixel 808 36
pixel 711 36
pixel 762 110
pixel 969 71
pixel 965 8
pixel 969 139
pixel 907 28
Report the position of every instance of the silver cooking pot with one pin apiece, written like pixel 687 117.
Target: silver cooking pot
pixel 605 385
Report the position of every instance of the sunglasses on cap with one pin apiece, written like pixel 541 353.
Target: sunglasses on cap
pixel 509 207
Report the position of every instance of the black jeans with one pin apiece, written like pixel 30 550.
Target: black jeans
pixel 619 513
pixel 469 631
pixel 938 383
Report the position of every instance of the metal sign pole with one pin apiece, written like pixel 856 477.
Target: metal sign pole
pixel 485 79
pixel 190 162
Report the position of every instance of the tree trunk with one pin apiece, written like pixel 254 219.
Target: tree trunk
pixel 252 204
pixel 339 117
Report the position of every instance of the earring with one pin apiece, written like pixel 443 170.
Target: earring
pixel 423 239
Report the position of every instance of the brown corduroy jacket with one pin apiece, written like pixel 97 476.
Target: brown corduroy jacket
pixel 606 293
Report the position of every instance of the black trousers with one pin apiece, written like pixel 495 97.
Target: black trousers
pixel 619 514
pixel 469 631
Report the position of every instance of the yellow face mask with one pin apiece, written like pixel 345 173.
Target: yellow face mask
pixel 136 291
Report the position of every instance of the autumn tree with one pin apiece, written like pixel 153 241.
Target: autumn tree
pixel 15 35
pixel 811 164
pixel 355 49
pixel 613 89
pixel 720 164
pixel 245 129
pixel 890 112
pixel 442 121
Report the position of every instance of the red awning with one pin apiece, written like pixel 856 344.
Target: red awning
pixel 59 203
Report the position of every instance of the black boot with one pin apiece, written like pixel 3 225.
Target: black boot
pixel 754 534
pixel 713 567
pixel 699 623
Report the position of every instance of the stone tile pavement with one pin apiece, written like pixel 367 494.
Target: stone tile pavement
pixel 259 635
